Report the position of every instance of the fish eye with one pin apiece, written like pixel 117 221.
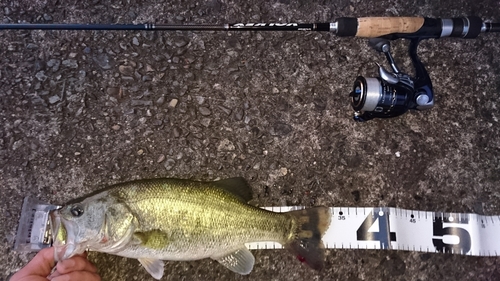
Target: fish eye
pixel 76 210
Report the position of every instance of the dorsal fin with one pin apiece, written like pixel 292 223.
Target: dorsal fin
pixel 236 186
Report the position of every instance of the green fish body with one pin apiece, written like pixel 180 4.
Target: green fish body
pixel 172 219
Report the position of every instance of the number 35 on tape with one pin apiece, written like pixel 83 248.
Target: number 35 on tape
pixel 410 230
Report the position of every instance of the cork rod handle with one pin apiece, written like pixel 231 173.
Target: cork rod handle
pixel 378 26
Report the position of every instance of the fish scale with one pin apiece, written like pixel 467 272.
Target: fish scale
pixel 153 202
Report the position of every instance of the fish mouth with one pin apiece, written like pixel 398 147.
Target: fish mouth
pixel 63 236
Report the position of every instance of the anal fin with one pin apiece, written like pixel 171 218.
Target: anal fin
pixel 155 267
pixel 240 261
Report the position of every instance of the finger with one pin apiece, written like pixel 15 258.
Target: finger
pixel 78 275
pixel 53 274
pixel 76 263
pixel 27 278
pixel 41 264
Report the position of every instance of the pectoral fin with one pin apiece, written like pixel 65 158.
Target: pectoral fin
pixel 240 261
pixel 153 266
pixel 153 239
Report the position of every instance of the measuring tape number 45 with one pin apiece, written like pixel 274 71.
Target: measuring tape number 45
pixel 350 228
pixel 410 230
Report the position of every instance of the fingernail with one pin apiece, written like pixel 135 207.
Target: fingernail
pixel 69 263
pixel 61 278
pixel 52 273
pixel 51 276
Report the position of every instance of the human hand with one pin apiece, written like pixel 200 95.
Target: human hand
pixel 40 268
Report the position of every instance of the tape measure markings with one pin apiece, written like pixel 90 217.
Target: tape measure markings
pixel 350 228
pixel 409 230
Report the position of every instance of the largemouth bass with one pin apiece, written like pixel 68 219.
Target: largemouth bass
pixel 173 219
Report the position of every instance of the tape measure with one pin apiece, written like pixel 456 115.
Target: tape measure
pixel 409 230
pixel 350 228
pixel 33 231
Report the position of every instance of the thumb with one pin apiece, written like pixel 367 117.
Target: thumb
pixel 42 263
pixel 38 268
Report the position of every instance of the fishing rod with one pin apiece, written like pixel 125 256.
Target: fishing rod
pixel 390 94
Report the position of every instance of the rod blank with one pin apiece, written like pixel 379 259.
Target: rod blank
pixel 393 27
pixel 75 26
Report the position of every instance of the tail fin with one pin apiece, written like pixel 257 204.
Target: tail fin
pixel 311 224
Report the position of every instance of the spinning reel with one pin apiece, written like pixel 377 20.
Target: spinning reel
pixel 393 92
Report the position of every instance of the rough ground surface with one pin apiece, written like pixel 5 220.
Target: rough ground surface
pixel 80 110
